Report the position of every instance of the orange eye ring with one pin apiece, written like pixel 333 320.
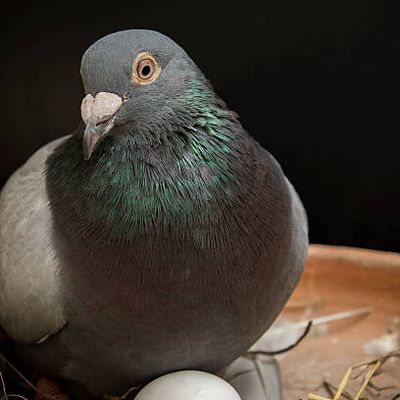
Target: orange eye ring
pixel 145 69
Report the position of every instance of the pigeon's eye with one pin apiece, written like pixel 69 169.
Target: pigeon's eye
pixel 145 69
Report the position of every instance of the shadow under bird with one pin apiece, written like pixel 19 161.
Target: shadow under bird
pixel 158 237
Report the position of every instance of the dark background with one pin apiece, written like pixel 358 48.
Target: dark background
pixel 316 82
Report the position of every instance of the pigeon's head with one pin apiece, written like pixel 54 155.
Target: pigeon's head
pixel 135 81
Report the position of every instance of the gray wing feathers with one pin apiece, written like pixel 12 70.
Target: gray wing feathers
pixel 300 224
pixel 297 253
pixel 30 305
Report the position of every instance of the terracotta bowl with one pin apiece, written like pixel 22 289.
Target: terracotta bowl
pixel 338 279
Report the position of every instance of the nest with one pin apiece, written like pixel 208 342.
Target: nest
pixel 15 384
pixel 364 372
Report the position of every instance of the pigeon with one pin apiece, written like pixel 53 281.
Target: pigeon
pixel 158 237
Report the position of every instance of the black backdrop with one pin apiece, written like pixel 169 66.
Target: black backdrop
pixel 316 82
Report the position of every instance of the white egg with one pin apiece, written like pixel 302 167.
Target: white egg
pixel 188 385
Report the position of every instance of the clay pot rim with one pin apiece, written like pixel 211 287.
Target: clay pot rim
pixel 364 257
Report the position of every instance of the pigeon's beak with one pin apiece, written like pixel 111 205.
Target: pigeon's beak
pixel 98 114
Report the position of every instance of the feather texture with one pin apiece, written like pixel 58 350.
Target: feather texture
pixel 30 306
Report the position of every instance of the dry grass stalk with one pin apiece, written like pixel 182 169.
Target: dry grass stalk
pixel 369 370
pixel 8 396
pixel 17 372
pixel 40 393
